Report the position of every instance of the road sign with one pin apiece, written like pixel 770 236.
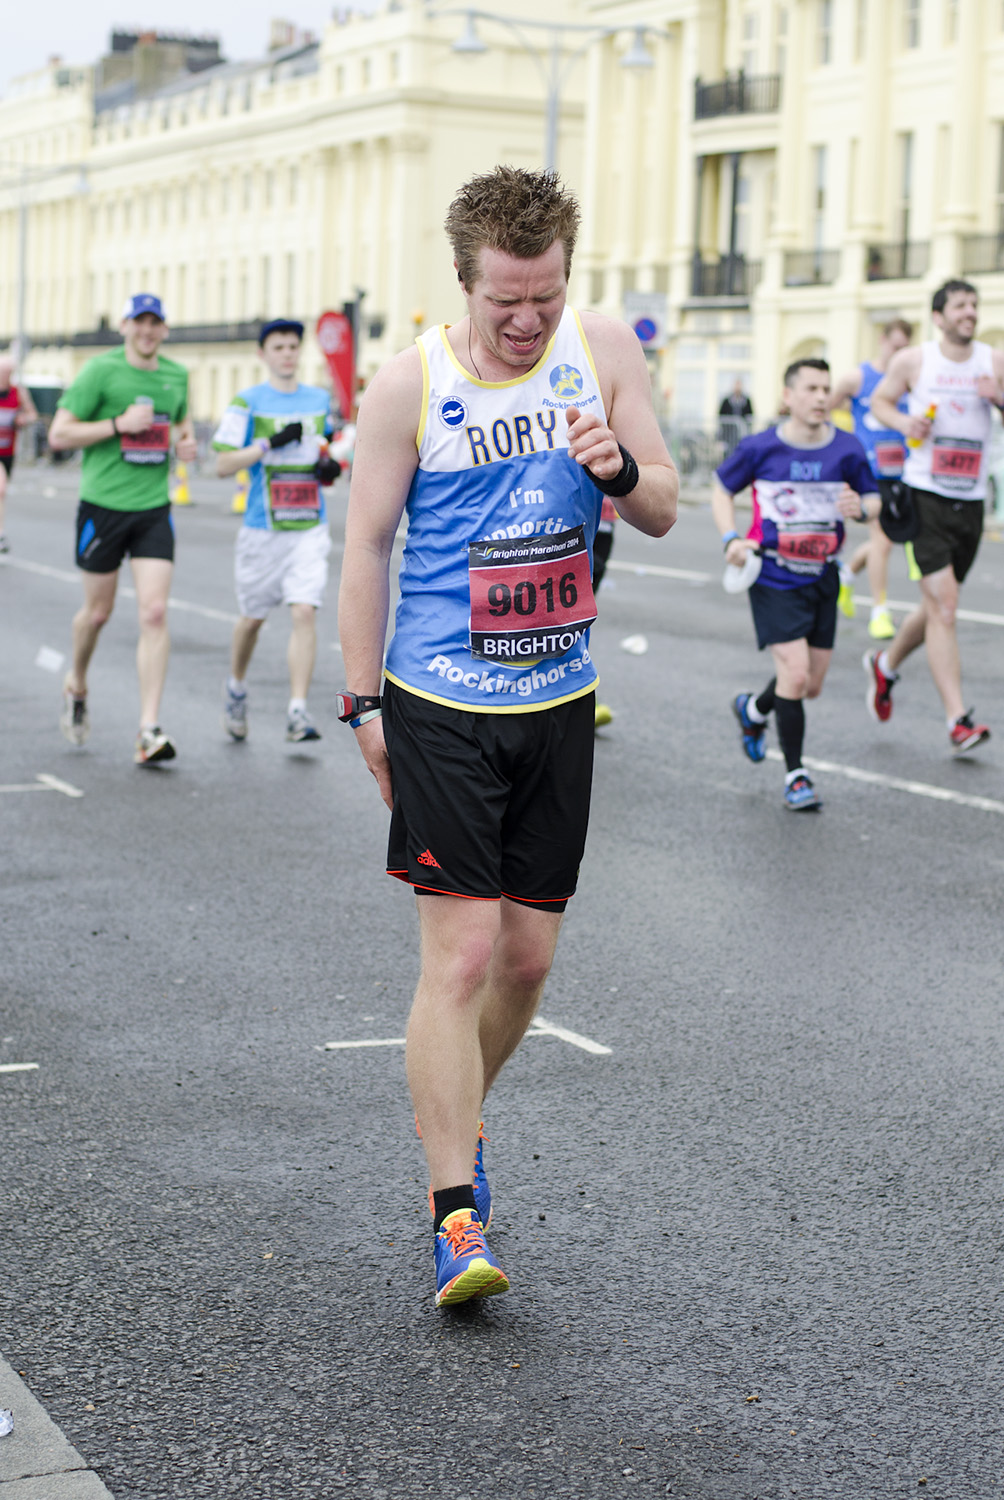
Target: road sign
pixel 647 312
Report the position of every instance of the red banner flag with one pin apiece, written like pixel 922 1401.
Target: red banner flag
pixel 334 334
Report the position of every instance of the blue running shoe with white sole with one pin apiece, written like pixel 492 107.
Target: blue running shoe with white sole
pixel 753 735
pixel 465 1267
pixel 800 794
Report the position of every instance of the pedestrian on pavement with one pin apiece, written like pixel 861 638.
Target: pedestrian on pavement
pixel 736 414
pixel 122 410
pixel 500 434
pixel 17 410
pixel 952 381
pixel 278 431
pixel 886 454
pixel 807 478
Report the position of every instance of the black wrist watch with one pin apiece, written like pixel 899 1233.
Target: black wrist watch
pixel 351 705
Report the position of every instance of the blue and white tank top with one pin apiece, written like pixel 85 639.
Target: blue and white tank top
pixel 495 600
pixel 885 447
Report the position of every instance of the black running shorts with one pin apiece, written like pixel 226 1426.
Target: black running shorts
pixel 7 459
pixel 950 532
pixel 489 805
pixel 105 537
pixel 808 612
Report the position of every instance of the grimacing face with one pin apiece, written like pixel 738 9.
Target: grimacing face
pixel 515 306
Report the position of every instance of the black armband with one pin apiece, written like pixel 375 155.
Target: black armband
pixel 622 483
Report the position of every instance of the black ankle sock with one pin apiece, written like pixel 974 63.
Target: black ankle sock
pixel 765 702
pixel 448 1200
pixel 789 716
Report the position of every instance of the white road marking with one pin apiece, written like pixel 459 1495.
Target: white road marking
pixel 18 1067
pixel 539 1027
pixel 974 616
pixel 915 788
pixel 43 783
pixel 640 569
pixel 185 605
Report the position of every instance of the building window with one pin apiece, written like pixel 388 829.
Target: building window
pixel 749 52
pixel 1000 185
pixel 780 38
pixel 818 197
pixel 367 72
pixel 741 231
pixel 290 282
pixel 395 66
pixel 222 312
pixel 911 23
pixel 248 192
pixel 294 185
pixel 266 285
pixel 951 22
pixel 860 30
pixel 824 32
pixel 269 188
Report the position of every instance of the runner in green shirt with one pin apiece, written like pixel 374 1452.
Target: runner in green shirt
pixel 121 410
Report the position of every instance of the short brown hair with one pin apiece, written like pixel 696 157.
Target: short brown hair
pixel 509 209
pixel 898 325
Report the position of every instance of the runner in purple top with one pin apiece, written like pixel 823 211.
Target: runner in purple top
pixel 807 477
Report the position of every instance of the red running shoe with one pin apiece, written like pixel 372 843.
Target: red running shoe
pixel 965 735
pixel 878 698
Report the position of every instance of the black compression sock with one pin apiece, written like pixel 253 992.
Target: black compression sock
pixel 448 1200
pixel 789 716
pixel 765 702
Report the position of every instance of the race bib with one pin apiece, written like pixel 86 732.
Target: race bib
pixel 890 457
pixel 531 598
pixel 955 462
pixel 150 446
pixel 810 543
pixel 294 500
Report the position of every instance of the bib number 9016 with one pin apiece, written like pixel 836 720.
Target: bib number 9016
pixel 531 598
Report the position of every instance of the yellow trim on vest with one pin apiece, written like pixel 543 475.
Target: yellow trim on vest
pixel 496 385
pixel 516 708
pixel 589 355
pixel 425 396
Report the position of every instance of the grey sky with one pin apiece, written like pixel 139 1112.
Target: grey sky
pixel 79 33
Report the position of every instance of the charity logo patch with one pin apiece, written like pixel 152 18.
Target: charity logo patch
pixel 566 381
pixel 452 412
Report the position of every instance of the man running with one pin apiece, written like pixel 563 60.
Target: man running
pixel 17 410
pixel 886 454
pixel 277 431
pixel 956 378
pixel 121 411
pixel 807 477
pixel 500 434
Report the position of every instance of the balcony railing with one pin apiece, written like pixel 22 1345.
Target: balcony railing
pixel 811 267
pixel 902 260
pixel 982 253
pixel 730 276
pixel 741 94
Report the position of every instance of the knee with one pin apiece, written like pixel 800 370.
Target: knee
pixel 944 612
pixel 302 616
pixel 797 685
pixel 524 970
pixel 461 972
pixel 98 615
pixel 153 614
pixel 813 689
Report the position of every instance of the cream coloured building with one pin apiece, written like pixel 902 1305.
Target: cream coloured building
pixel 787 175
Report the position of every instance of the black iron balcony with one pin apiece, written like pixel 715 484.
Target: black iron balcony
pixel 740 94
pixel 811 267
pixel 903 260
pixel 729 276
pixel 982 253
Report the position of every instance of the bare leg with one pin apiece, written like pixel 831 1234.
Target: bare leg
pixel 99 601
pixel 879 553
pixel 940 593
pixel 476 995
pixel 3 496
pixel 302 649
pixel 242 646
pixel 152 578
pixel 909 636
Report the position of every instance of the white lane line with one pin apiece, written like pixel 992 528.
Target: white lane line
pixel 640 569
pixel 18 1067
pixel 915 788
pixel 974 616
pixel 184 605
pixel 539 1027
pixel 43 783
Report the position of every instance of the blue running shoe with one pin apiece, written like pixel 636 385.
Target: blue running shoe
pixel 753 734
pixel 479 1182
pixel 465 1267
pixel 800 794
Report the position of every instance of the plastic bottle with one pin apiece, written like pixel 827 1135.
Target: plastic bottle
pixel 930 414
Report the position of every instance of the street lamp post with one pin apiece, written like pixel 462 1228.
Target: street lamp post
pixel 555 70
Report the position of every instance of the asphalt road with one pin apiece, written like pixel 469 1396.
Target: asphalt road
pixel 755 1248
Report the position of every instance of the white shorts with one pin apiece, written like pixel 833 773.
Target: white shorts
pixel 280 567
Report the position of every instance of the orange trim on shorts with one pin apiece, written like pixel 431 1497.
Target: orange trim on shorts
pixel 437 890
pixel 538 901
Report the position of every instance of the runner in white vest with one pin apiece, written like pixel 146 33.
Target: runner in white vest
pixel 952 382
pixel 500 434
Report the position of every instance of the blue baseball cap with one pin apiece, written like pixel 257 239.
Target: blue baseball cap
pixel 280 325
pixel 144 302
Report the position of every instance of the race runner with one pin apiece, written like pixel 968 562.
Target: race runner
pixel 17 410
pixel 958 379
pixel 500 434
pixel 277 431
pixel 807 478
pixel 121 411
pixel 886 453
